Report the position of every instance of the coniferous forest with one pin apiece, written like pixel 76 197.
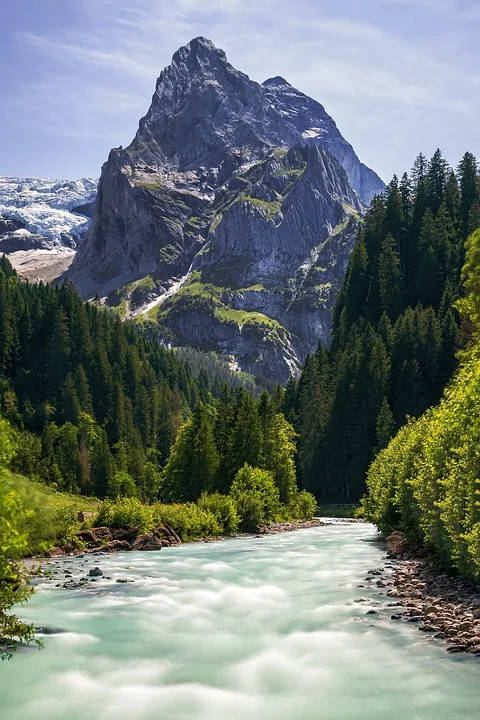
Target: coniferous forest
pixel 426 482
pixel 395 329
pixel 98 407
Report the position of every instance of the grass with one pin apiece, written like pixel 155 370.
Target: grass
pixel 153 186
pixel 295 172
pixel 270 208
pixel 216 222
pixel 49 517
pixel 333 512
pixel 241 318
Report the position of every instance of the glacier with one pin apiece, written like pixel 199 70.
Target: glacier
pixel 43 213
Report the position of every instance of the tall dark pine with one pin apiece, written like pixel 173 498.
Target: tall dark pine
pixel 395 328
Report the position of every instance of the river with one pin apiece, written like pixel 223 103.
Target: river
pixel 247 629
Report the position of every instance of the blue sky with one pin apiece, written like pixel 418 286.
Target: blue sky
pixel 398 76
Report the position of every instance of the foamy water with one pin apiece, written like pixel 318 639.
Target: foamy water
pixel 247 629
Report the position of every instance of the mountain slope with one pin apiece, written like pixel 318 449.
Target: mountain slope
pixel 221 190
pixel 308 122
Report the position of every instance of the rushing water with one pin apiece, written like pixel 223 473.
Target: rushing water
pixel 248 629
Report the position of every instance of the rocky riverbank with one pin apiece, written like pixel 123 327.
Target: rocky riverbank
pixel 74 568
pixel 275 528
pixel 102 540
pixel 440 604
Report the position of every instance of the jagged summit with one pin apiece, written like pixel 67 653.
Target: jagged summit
pixel 199 47
pixel 277 81
pixel 249 188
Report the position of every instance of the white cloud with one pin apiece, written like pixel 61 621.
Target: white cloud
pixel 391 94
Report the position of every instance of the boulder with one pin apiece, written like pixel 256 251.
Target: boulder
pixel 148 541
pixel 95 572
pixel 126 533
pixel 397 543
pixel 118 546
pixel 102 533
pixel 55 552
pixel 86 536
pixel 167 532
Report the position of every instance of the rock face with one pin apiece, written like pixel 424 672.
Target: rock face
pixel 307 120
pixel 229 219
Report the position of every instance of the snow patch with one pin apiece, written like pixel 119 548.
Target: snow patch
pixel 312 133
pixel 45 206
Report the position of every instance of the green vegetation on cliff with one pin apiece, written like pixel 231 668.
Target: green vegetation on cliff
pixel 427 482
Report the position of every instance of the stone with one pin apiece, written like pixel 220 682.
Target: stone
pixel 456 648
pixel 83 517
pixel 170 534
pixel 147 541
pixel 397 543
pixel 466 625
pixel 101 533
pixel 55 552
pixel 117 546
pixel 95 572
pixel 86 536
pixel 126 533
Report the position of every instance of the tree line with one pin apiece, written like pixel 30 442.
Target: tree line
pixel 97 406
pixel 426 482
pixel 395 329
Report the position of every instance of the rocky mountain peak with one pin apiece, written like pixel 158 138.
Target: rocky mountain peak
pixel 276 82
pixel 199 52
pixel 230 217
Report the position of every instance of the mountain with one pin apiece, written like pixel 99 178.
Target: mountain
pixel 44 214
pixel 227 223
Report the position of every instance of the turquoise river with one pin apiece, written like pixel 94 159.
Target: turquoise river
pixel 247 629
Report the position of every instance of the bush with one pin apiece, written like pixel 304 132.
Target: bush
pixel 188 520
pixel 304 506
pixel 126 511
pixel 426 482
pixel 13 582
pixel 224 510
pixel 256 497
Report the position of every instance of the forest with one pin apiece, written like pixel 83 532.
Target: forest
pixel 97 407
pixel 93 409
pixel 396 328
pixel 426 482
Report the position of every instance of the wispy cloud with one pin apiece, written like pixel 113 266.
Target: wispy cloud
pixel 391 93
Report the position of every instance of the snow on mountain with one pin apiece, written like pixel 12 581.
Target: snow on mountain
pixel 44 213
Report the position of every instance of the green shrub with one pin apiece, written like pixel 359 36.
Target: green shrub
pixel 13 585
pixel 188 520
pixel 126 511
pixel 224 510
pixel 304 506
pixel 256 497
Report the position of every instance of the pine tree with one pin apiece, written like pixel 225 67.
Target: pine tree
pixel 385 425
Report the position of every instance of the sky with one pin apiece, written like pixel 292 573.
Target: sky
pixel 398 76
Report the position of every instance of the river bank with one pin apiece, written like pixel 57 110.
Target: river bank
pixel 268 628
pixel 101 541
pixel 440 604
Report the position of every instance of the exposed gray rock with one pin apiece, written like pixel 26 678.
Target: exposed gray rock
pixel 308 122
pixel 95 572
pixel 233 210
